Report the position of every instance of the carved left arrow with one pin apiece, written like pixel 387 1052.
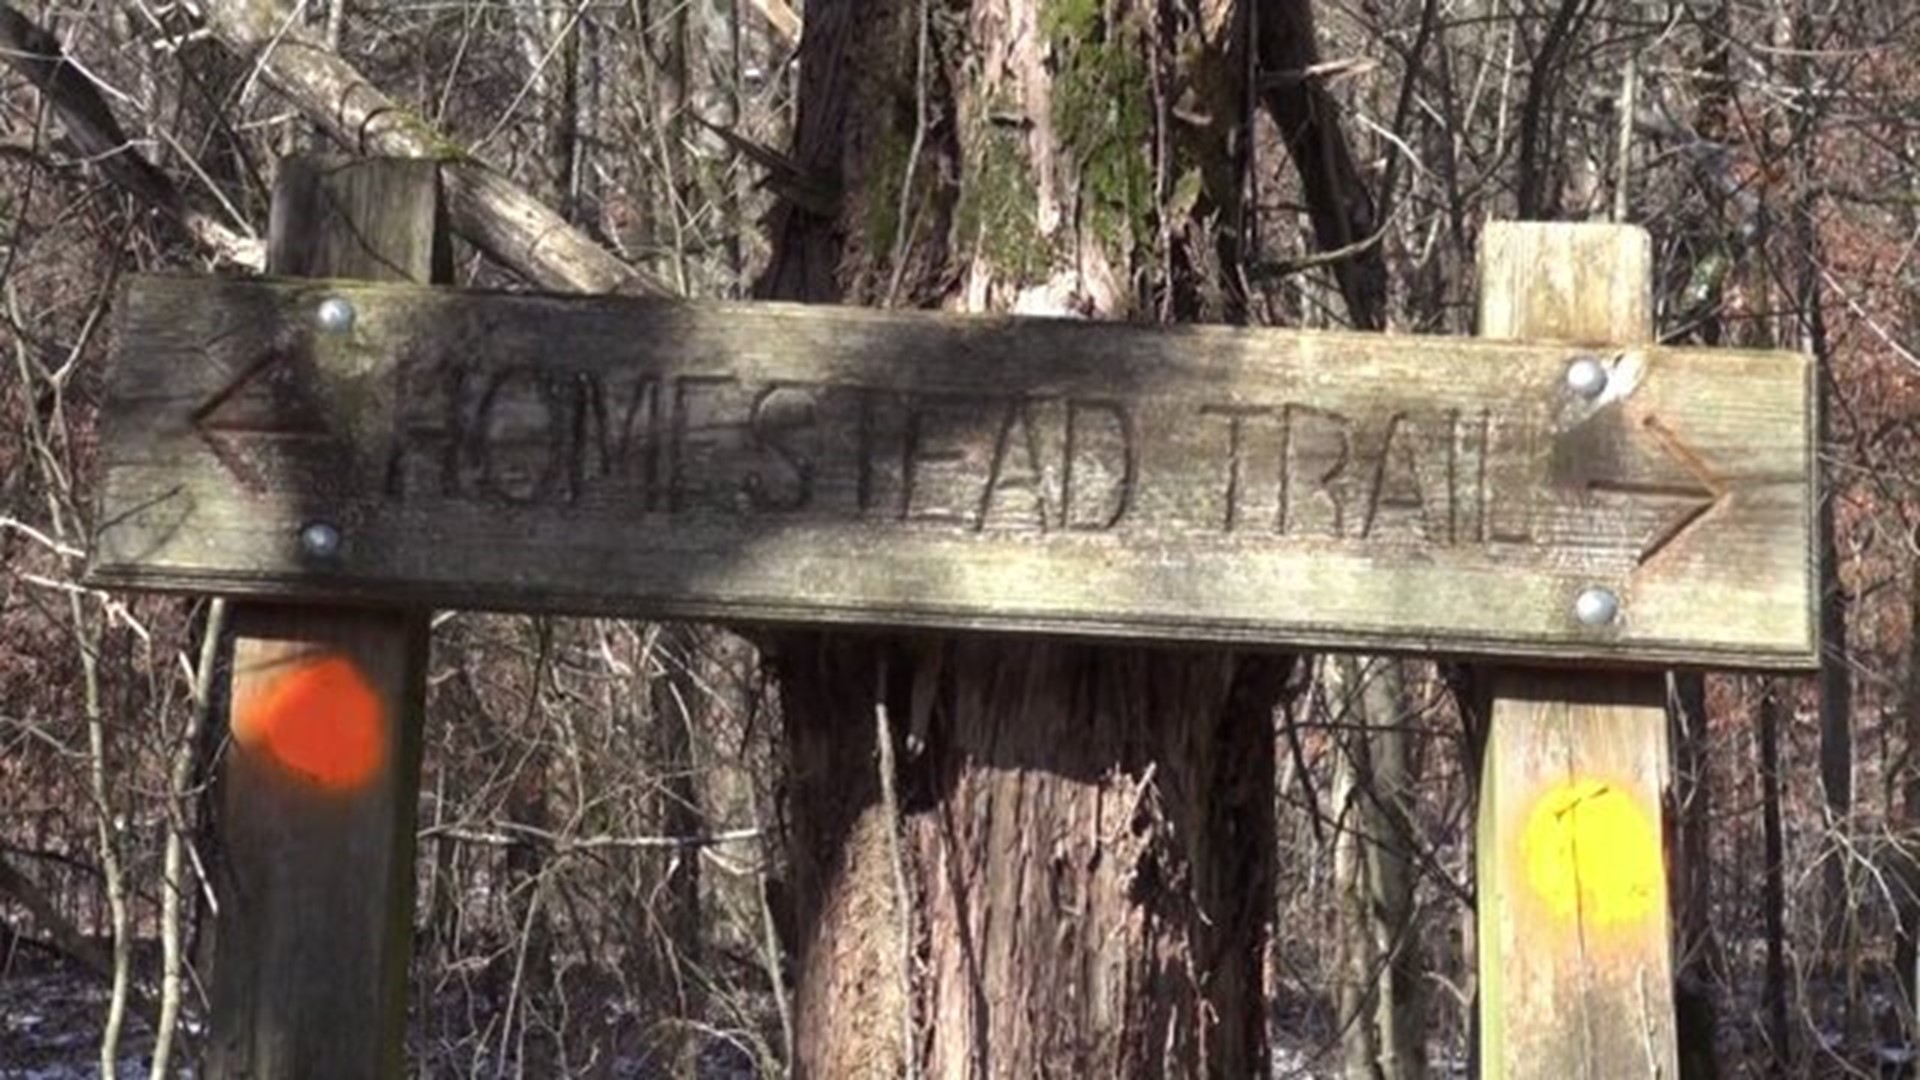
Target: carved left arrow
pixel 268 401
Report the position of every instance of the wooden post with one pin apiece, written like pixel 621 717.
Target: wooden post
pixel 322 772
pixel 1576 976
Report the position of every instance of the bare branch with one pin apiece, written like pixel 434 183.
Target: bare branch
pixel 1343 213
pixel 781 17
pixel 495 214
pixel 94 131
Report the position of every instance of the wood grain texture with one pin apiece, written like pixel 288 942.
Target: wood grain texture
pixel 1576 977
pixel 321 778
pixel 776 463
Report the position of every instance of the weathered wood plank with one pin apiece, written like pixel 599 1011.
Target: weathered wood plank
pixel 321 776
pixel 1576 975
pixel 771 462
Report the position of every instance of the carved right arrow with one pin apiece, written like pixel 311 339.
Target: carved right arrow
pixel 1704 494
pixel 1591 457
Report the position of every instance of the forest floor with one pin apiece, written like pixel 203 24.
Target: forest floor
pixel 50 1015
pixel 51 1010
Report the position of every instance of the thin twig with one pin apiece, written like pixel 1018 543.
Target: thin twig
pixel 903 220
pixel 513 834
pixel 179 794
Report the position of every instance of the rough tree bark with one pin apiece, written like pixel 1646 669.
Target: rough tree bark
pixel 1907 857
pixel 1690 867
pixel 1907 776
pixel 1774 714
pixel 1082 831
pixel 1841 928
pixel 1699 962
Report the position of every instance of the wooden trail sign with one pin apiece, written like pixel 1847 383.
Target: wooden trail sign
pixel 407 445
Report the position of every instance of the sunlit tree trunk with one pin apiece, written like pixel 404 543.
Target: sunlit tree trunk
pixel 1011 857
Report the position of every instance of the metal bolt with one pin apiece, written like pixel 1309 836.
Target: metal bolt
pixel 320 539
pixel 1587 377
pixel 335 315
pixel 1596 606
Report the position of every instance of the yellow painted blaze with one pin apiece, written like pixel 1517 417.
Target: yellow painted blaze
pixel 1591 849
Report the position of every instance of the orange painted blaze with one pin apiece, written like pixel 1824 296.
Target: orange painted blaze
pixel 319 718
pixel 1589 847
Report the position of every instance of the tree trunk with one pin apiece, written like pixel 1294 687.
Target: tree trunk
pixel 1836 675
pixel 1058 862
pixel 1691 869
pixel 1773 712
pixel 1796 27
pixel 1907 779
pixel 1382 1011
pixel 550 41
pixel 1700 963
pixel 672 924
pixel 1086 841
pixel 528 965
pixel 1719 238
pixel 1907 850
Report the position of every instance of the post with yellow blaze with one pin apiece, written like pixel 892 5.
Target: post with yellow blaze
pixel 1576 969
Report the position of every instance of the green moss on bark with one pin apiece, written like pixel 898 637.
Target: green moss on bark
pixel 1103 118
pixel 998 209
pixel 892 150
pixel 884 129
